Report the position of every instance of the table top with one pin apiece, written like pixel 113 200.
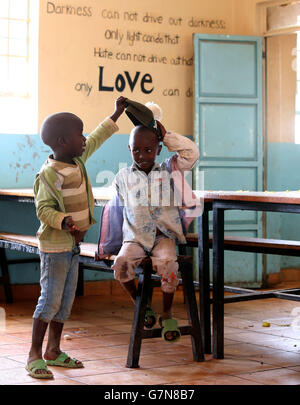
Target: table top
pixel 283 197
pixel 104 194
pixel 17 192
pixel 100 193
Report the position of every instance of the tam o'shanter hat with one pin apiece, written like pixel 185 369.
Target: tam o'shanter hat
pixel 144 114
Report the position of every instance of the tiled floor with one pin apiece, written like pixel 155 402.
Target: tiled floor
pixel 99 328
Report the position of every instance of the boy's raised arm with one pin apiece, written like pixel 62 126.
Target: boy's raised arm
pixel 187 150
pixel 104 130
pixel 120 105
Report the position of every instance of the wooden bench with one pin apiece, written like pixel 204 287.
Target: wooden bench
pixel 29 244
pixel 255 245
pixel 146 282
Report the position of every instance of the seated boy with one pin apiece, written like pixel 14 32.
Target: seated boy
pixel 152 224
pixel 64 204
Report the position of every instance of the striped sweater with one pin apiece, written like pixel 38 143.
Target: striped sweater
pixel 73 189
pixel 52 189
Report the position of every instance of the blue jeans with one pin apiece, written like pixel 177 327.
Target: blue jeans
pixel 59 275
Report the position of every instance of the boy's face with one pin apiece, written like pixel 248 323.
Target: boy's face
pixel 144 147
pixel 75 142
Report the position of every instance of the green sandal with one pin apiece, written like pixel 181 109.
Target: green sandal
pixel 60 361
pixel 36 365
pixel 150 318
pixel 170 331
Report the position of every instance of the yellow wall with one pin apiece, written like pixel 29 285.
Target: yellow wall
pixel 144 50
pixel 281 90
pixel 72 37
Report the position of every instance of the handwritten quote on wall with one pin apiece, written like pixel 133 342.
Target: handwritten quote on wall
pixel 142 50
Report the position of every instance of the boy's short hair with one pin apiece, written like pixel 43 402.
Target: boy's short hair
pixel 59 125
pixel 140 128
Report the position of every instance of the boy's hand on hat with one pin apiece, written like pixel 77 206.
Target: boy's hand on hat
pixel 121 102
pixel 120 105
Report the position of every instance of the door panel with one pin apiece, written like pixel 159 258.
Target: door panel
pixel 234 68
pixel 228 131
pixel 237 123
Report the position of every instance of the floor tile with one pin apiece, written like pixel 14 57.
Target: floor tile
pixel 99 330
pixel 220 380
pixel 7 364
pixel 279 376
pixel 6 350
pixel 62 381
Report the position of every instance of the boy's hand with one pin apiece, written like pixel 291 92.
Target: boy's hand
pixel 120 105
pixel 162 130
pixel 69 225
pixel 78 235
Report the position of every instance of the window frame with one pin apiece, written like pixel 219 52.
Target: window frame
pixel 19 111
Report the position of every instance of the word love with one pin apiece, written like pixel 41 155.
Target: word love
pixel 125 80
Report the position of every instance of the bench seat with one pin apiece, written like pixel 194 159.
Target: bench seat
pixel 253 245
pixel 86 249
pixel 29 244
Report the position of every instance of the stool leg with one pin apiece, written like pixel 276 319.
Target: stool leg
pixel 136 336
pixel 192 311
pixel 5 277
pixel 149 294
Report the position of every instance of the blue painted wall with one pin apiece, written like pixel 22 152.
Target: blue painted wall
pixel 283 174
pixel 21 156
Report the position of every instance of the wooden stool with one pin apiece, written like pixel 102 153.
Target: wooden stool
pixel 145 287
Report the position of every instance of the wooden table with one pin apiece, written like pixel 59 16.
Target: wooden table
pixel 101 194
pixel 285 202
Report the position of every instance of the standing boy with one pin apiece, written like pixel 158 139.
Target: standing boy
pixel 64 205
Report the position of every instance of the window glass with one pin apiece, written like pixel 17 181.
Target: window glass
pixel 18 66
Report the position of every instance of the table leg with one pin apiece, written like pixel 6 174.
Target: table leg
pixel 204 282
pixel 218 283
pixel 5 279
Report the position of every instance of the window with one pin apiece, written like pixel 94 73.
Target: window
pixel 18 66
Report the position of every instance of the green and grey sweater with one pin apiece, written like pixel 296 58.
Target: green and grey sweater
pixel 49 201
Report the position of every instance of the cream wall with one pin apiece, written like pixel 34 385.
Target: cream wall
pixel 92 51
pixel 281 92
pixel 280 68
pixel 79 43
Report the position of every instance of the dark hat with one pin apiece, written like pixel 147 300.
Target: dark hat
pixel 139 114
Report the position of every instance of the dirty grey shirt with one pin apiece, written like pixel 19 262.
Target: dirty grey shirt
pixel 149 200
